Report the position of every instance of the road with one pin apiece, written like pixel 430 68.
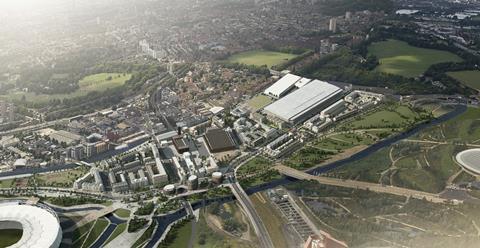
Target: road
pixel 44 124
pixel 362 185
pixel 257 223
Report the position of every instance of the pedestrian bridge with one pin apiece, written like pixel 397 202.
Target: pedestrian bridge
pixel 290 172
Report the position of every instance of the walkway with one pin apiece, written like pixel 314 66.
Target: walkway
pixel 362 185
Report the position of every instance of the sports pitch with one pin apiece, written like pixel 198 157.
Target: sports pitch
pixel 261 57
pixel 400 58
pixel 468 78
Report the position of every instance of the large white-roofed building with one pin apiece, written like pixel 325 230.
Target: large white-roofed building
pixel 282 86
pixel 39 223
pixel 303 103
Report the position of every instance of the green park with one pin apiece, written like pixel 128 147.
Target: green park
pixel 468 78
pixel 400 58
pixel 261 58
pixel 97 82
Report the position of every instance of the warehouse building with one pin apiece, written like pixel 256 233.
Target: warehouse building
pixel 284 85
pixel 334 109
pixel 303 103
pixel 219 140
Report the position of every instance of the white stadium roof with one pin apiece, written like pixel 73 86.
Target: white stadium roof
pixel 470 160
pixel 41 228
pixel 302 100
pixel 282 85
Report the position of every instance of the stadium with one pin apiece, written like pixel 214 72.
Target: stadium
pixel 39 224
pixel 470 160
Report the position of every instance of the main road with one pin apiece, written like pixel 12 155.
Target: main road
pixel 257 223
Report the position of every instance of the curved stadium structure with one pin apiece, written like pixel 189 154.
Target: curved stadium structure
pixel 40 224
pixel 470 160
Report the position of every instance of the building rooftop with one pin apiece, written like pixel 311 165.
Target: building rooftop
pixel 40 225
pixel 302 100
pixel 282 85
pixel 469 160
pixel 218 140
pixel 64 136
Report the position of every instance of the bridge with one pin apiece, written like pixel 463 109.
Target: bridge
pixel 379 188
pixel 92 216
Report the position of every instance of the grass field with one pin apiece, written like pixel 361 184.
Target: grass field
pixel 207 237
pixel 80 234
pixel 183 236
pixel 95 232
pixel 6 183
pixel 261 57
pixel 122 213
pixel 145 236
pixel 259 102
pixel 254 165
pixel 97 82
pixel 340 142
pixel 118 230
pixel 61 178
pixel 468 78
pixel 389 116
pixel 398 57
pixel 9 237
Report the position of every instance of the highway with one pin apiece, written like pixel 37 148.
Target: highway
pixel 257 223
pixel 362 185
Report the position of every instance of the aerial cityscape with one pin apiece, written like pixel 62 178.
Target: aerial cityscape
pixel 239 123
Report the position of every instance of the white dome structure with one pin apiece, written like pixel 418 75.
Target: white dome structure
pixel 40 224
pixel 470 160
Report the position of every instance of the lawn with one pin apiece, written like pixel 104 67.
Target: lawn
pixel 95 232
pixel 146 235
pixel 367 169
pixel 6 183
pixel 80 234
pixel 398 57
pixel 340 142
pixel 468 78
pixel 118 230
pixel 97 82
pixel 464 128
pixel 388 116
pixel 183 236
pixel 261 57
pixel 9 237
pixel 122 213
pixel 259 102
pixel 255 165
pixel 61 178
